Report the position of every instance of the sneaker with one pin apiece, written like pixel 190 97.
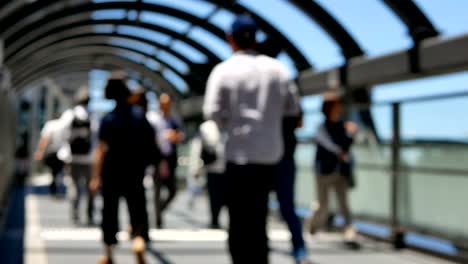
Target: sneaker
pixel 300 255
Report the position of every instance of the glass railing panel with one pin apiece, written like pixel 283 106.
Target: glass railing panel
pixel 434 178
pixel 434 202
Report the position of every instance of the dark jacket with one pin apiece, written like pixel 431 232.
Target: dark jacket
pixel 326 161
pixel 131 144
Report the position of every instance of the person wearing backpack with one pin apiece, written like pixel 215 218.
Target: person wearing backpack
pixel 80 141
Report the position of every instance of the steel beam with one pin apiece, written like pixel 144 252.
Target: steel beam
pixel 436 56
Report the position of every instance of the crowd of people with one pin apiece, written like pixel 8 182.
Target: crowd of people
pixel 246 146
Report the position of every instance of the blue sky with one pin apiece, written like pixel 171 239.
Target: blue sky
pixel 375 28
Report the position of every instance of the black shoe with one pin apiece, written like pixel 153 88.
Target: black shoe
pixel 352 245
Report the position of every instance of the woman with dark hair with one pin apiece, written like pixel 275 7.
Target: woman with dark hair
pixel 333 171
pixel 126 147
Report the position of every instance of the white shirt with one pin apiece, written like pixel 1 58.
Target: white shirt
pixel 54 130
pixel 160 126
pixel 247 96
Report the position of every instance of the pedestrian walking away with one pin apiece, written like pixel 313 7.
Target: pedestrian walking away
pixel 247 96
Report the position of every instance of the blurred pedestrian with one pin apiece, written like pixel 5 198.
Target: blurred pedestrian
pixel 78 123
pixel 333 164
pixel 247 96
pixel 126 147
pixel 208 149
pixel 284 187
pixel 169 135
pixel 52 144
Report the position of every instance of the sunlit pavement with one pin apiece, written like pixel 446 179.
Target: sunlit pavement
pixel 51 237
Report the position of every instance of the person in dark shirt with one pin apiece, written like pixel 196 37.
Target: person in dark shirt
pixel 284 187
pixel 333 170
pixel 126 147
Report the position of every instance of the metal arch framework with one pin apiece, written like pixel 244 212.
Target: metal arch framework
pixel 349 47
pixel 33 65
pixel 44 51
pixel 58 70
pixel 419 26
pixel 78 33
pixel 85 64
pixel 417 23
pixel 213 59
pixel 66 24
pixel 197 72
pixel 271 31
pixel 140 6
pixel 70 67
pixel 276 38
pixel 102 54
pixel 98 53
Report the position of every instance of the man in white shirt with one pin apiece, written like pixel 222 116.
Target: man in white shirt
pixel 53 139
pixel 247 96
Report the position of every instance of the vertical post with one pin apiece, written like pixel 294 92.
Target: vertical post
pixel 398 234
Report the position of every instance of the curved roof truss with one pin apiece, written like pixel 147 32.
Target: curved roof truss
pixel 97 55
pixel 35 21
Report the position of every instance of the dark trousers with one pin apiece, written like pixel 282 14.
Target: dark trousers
pixel 284 187
pixel 248 187
pixel 171 185
pixel 81 175
pixel 56 166
pixel 134 194
pixel 216 183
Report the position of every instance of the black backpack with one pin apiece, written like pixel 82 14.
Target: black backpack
pixel 80 137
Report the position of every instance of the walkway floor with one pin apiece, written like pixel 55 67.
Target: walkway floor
pixel 50 237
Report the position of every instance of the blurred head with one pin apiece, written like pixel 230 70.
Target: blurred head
pixel 332 108
pixel 138 97
pixel 243 33
pixel 81 96
pixel 116 88
pixel 165 104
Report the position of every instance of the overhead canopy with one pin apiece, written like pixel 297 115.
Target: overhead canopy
pixel 172 45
